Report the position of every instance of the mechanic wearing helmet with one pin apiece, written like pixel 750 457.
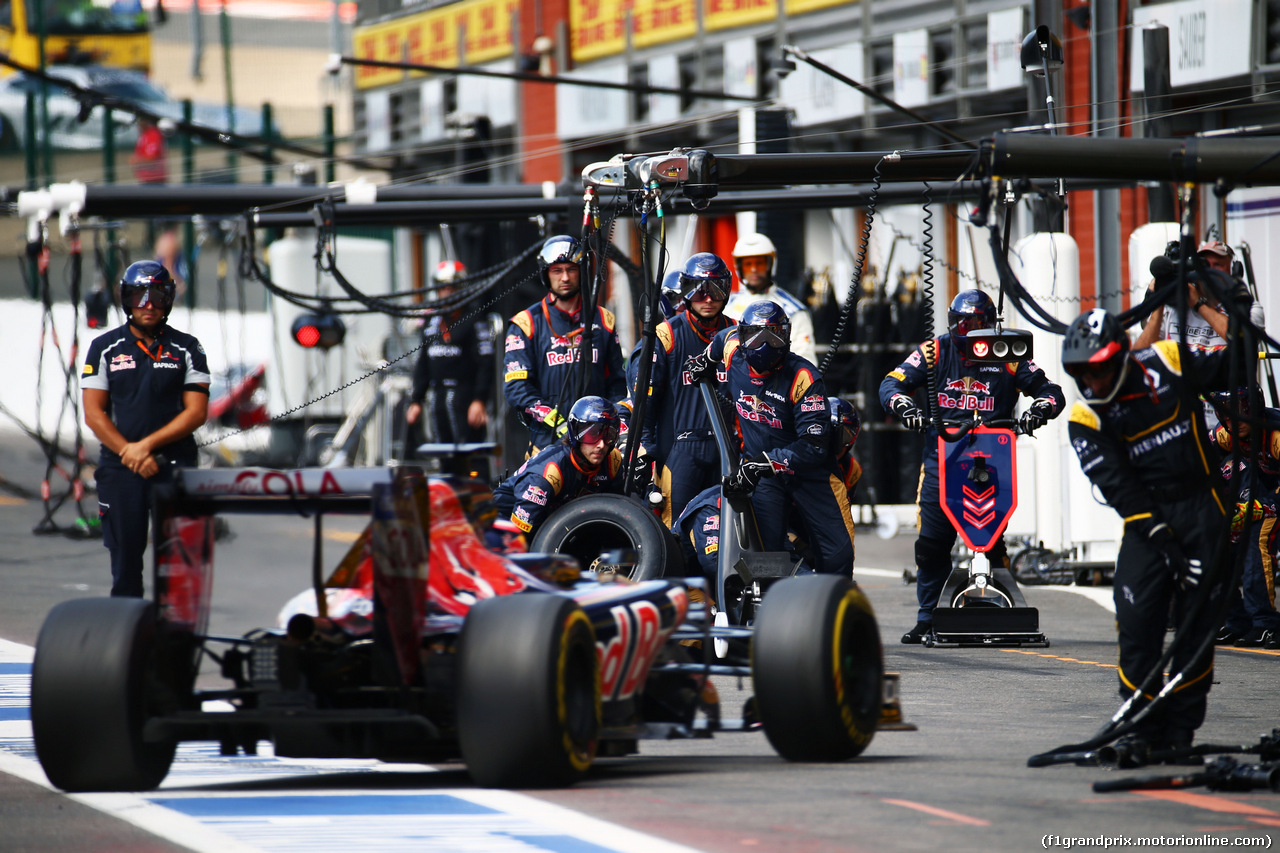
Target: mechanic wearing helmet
pixel 1141 440
pixel 585 461
pixel 678 434
pixel 542 347
pixel 962 388
pixel 456 365
pixel 145 391
pixel 698 527
pixel 757 260
pixel 784 424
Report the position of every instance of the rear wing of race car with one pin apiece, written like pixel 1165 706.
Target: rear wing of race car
pixel 186 502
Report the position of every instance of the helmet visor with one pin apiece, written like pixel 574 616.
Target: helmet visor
pixel 966 324
pixel 754 337
pixel 158 296
pixel 601 432
pixel 703 290
pixel 560 252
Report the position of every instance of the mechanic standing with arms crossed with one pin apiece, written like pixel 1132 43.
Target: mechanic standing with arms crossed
pixel 784 423
pixel 145 391
pixel 1140 437
pixel 678 432
pixel 456 365
pixel 962 388
pixel 757 261
pixel 541 347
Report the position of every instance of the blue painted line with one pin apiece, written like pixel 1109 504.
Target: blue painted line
pixel 558 843
pixel 18 713
pixel 15 668
pixel 327 806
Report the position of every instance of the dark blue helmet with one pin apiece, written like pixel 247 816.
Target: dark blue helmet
pixel 846 424
pixel 669 299
pixel 594 419
pixel 765 333
pixel 147 283
pixel 706 274
pixel 560 249
pixel 1096 347
pixel 971 309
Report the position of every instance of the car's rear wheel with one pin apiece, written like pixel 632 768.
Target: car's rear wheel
pixel 528 692
pixel 91 686
pixel 817 668
pixel 588 526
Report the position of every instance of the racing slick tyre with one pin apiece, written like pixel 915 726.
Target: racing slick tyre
pixel 817 667
pixel 590 525
pixel 90 683
pixel 528 692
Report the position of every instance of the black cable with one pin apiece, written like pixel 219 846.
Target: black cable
pixel 855 282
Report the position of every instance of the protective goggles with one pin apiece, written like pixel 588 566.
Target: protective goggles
pixel 596 433
pixel 147 296
pixel 754 337
pixel 965 325
pixel 703 290
pixel 847 438
pixel 560 252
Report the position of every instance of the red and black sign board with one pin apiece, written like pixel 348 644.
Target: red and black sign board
pixel 978 484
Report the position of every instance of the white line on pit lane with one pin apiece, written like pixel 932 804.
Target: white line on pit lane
pixel 189 811
pixel 1099 595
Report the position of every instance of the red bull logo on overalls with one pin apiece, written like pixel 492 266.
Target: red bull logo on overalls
pixel 755 409
pixel 967 394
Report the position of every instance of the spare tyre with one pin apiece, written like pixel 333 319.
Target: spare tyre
pixel 588 526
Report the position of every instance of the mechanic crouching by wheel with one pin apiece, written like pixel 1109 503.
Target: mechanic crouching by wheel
pixel 584 462
pixel 1141 439
pixel 962 388
pixel 784 423
pixel 542 347
pixel 145 391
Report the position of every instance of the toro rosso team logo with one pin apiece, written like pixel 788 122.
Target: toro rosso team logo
pixel 757 410
pixel 968 394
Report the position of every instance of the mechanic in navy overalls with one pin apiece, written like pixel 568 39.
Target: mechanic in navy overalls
pixel 145 390
pixel 586 461
pixel 677 435
pixel 784 423
pixel 698 527
pixel 456 366
pixel 962 388
pixel 542 345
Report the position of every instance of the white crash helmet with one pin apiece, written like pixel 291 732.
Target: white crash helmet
pixel 754 246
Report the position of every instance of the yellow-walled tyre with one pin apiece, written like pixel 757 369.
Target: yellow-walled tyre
pixel 528 692
pixel 817 668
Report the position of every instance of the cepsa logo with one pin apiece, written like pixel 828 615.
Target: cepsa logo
pixel 968 394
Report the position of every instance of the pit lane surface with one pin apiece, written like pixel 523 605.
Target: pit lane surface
pixel 960 783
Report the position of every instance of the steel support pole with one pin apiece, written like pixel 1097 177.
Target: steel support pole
pixel 1105 29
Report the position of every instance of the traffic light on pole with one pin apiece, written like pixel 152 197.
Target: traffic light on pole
pixel 997 345
pixel 318 331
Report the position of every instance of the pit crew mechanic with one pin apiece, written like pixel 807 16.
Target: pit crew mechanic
pixel 586 461
pixel 783 419
pixel 756 259
pixel 698 527
pixel 962 388
pixel 541 347
pixel 456 365
pixel 677 435
pixel 1141 440
pixel 145 390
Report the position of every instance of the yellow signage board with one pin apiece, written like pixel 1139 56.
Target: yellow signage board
pixel 660 21
pixel 726 14
pixel 799 7
pixel 431 38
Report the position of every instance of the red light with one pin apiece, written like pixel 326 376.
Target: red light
pixel 980 349
pixel 307 336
